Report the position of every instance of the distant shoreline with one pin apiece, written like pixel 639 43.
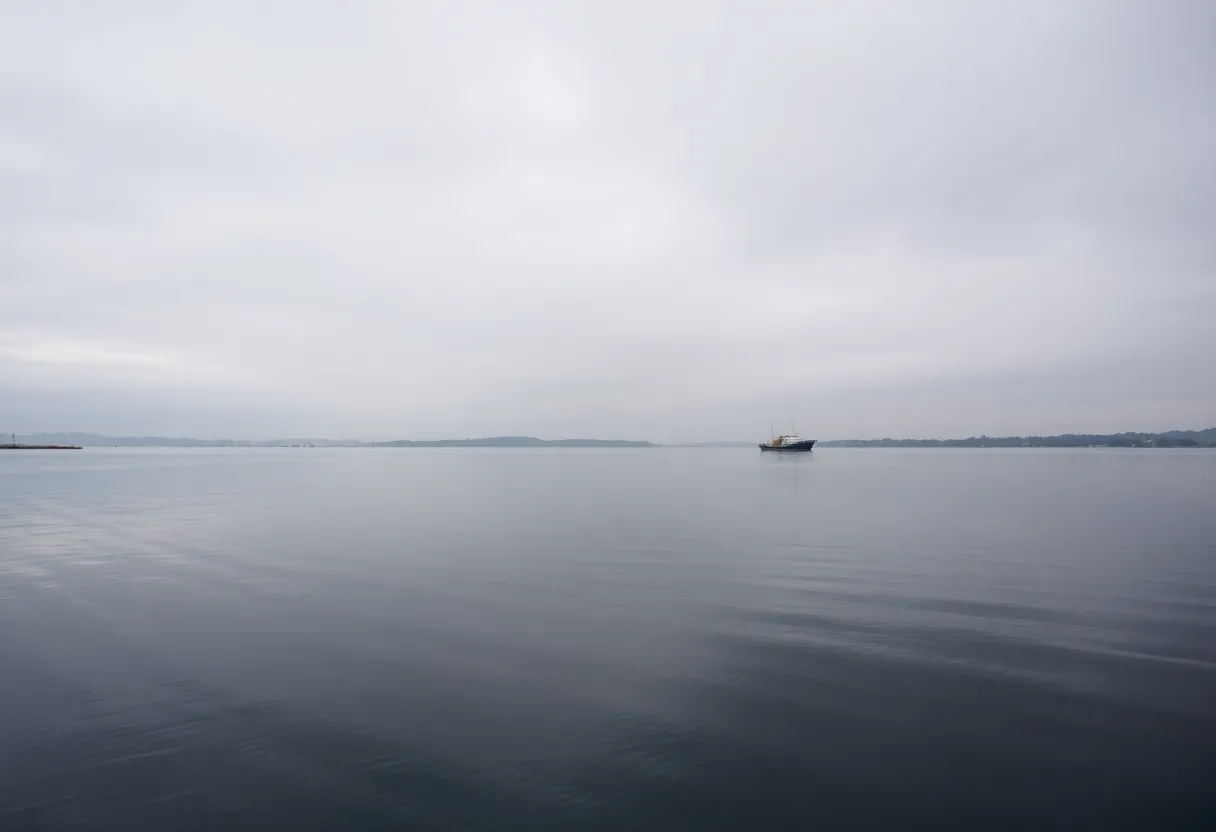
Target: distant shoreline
pixel 78 440
pixel 20 447
pixel 1167 439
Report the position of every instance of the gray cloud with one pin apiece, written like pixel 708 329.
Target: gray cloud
pixel 671 220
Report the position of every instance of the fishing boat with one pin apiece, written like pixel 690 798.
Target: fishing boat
pixel 788 442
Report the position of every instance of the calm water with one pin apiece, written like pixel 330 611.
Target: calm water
pixel 652 639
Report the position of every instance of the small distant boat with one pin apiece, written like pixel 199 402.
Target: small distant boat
pixel 788 443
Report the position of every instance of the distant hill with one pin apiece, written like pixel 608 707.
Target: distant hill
pixel 97 440
pixel 1170 439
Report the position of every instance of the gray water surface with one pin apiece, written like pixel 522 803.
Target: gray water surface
pixel 607 639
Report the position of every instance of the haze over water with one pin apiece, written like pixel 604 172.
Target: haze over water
pixel 584 639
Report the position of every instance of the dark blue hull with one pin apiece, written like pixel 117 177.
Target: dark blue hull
pixel 791 448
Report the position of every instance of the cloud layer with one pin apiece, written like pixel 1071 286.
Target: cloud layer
pixel 667 220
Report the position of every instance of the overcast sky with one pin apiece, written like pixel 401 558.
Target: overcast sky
pixel 663 220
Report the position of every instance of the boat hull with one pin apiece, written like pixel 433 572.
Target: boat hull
pixel 794 447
